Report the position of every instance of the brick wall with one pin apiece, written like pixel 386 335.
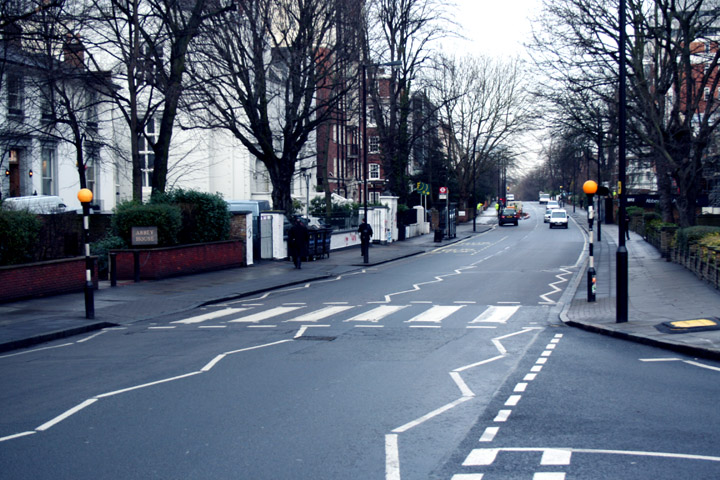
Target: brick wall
pixel 157 263
pixel 44 278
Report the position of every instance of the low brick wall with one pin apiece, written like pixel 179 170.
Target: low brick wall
pixel 157 263
pixel 44 278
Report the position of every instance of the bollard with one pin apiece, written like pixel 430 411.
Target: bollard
pixel 113 269
pixel 136 265
pixel 85 197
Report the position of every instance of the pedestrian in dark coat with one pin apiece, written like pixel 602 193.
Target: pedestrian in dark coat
pixel 366 232
pixel 298 242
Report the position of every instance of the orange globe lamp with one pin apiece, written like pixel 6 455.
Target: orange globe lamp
pixel 590 187
pixel 85 195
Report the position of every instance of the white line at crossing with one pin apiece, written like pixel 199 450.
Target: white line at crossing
pixel 260 316
pixel 495 314
pixel 210 316
pixel 320 314
pixel 376 313
pixel 436 313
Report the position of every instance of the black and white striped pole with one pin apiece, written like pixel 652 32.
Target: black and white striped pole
pixel 590 187
pixel 85 196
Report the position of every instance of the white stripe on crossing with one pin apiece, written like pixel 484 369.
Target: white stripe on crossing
pixel 436 313
pixel 320 314
pixel 210 316
pixel 376 313
pixel 481 456
pixel 556 456
pixel 257 317
pixel 495 314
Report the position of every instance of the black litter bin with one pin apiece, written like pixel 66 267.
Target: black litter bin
pixel 439 234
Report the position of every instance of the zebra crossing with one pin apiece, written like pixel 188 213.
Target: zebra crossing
pixel 413 315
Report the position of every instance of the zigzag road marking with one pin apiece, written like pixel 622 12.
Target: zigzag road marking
pixel 554 287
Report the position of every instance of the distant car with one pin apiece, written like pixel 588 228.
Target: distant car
pixel 544 198
pixel 508 215
pixel 558 218
pixel 553 204
pixel 548 213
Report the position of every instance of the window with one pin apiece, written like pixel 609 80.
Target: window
pixel 91 161
pixel 374 145
pixel 91 112
pixel 147 155
pixel 15 94
pixel 374 173
pixel 706 94
pixel 48 171
pixel 46 105
pixel 371 114
pixel 373 197
pixel 262 178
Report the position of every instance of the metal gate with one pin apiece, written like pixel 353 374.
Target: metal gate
pixel 266 237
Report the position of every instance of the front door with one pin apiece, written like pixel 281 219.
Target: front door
pixel 14 173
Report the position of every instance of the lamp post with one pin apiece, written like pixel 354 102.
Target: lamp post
pixel 364 135
pixel 307 176
pixel 85 196
pixel 590 187
pixel 621 271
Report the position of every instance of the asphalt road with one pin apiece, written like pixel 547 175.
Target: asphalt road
pixel 452 364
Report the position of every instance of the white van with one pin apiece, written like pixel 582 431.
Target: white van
pixel 43 204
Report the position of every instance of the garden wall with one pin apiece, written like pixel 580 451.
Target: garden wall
pixel 157 263
pixel 52 277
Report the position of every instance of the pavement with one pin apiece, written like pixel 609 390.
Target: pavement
pixel 659 292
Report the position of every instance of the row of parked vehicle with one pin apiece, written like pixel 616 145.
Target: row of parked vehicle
pixel 555 216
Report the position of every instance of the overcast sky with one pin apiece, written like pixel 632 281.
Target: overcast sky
pixel 495 27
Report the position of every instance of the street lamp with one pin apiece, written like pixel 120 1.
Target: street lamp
pixel 364 139
pixel 590 187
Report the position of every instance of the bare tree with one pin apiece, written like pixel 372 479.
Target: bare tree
pixel 61 89
pixel 486 105
pixel 400 32
pixel 672 56
pixel 147 43
pixel 269 73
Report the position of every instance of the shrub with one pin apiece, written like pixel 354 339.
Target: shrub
pixel 205 216
pixel 18 236
pixel 634 211
pixel 166 217
pixel 101 249
pixel 686 237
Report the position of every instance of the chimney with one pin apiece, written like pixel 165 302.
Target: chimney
pixel 74 51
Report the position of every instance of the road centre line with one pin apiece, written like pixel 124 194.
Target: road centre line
pixel 489 434
pixel 392 458
pixel 66 414
pixel 432 414
pixel 499 346
pixel 304 328
pixel 513 400
pixel 94 399
pixel 502 416
pixel 36 350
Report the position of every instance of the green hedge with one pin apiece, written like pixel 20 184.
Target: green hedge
pixel 19 233
pixel 166 217
pixel 685 237
pixel 205 216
